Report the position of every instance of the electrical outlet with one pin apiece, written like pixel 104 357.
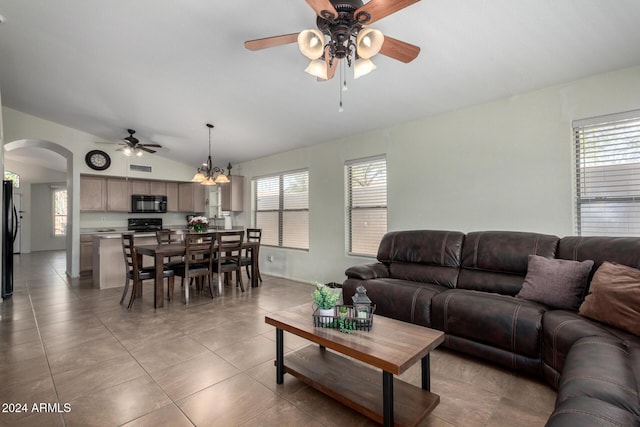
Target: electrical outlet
pixel 270 258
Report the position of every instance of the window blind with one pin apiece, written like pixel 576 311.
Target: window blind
pixel 366 204
pixel 608 175
pixel 282 209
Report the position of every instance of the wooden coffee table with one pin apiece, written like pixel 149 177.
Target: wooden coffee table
pixel 391 346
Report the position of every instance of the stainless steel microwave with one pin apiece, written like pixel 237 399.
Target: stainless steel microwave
pixel 151 204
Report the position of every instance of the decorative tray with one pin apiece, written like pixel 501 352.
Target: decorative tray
pixel 345 318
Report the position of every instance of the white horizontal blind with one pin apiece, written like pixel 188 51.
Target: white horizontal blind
pixel 366 204
pixel 608 175
pixel 282 209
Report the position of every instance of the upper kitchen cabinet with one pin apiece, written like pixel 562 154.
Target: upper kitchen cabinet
pixel 148 188
pixel 172 196
pixel 191 197
pixel 232 194
pixel 118 198
pixel 93 193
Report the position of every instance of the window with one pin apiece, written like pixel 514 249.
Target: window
pixel 59 211
pixel 608 175
pixel 282 209
pixel 366 204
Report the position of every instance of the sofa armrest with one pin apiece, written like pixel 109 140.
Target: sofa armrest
pixel 368 271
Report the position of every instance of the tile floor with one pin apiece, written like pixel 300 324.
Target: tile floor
pixel 210 363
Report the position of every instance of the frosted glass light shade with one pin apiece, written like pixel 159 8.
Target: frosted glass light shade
pixel 363 66
pixel 221 179
pixel 311 43
pixel 369 42
pixel 208 181
pixel 317 68
pixel 198 177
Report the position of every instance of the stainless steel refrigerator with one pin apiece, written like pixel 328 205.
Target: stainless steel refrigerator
pixel 9 233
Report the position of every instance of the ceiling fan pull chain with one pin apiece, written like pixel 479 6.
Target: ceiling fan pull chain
pixel 340 108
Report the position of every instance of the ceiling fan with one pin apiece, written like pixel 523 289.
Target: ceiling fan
pixel 344 22
pixel 131 145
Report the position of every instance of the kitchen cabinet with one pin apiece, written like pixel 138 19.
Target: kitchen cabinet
pixel 93 193
pixel 191 197
pixel 147 187
pixel 172 196
pixel 118 198
pixel 232 194
pixel 137 186
pixel 86 253
pixel 158 188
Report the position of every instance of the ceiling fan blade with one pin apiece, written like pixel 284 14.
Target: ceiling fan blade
pixel 148 150
pixel 150 145
pixel 399 50
pixel 378 9
pixel 331 69
pixel 266 42
pixel 323 9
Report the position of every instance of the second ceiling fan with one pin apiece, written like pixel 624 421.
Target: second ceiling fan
pixel 343 23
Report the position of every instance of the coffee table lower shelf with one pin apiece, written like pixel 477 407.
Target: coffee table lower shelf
pixel 359 386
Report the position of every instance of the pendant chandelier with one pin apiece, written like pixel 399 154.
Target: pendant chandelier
pixel 208 174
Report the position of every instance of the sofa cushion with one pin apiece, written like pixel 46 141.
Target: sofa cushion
pixel 557 283
pixel 622 250
pixel 496 261
pixel 429 256
pixel 602 368
pixel 561 329
pixel 399 299
pixel 496 320
pixel 585 411
pixel 614 297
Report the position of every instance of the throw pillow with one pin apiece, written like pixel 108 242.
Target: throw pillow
pixel 614 297
pixel 558 283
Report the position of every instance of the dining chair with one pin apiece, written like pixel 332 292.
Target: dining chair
pixel 253 235
pixel 198 259
pixel 135 272
pixel 166 237
pixel 228 256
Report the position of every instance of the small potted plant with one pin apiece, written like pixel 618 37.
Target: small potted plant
pixel 325 299
pixel 199 224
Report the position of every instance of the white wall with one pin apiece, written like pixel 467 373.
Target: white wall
pixel 504 165
pixel 29 175
pixel 42 238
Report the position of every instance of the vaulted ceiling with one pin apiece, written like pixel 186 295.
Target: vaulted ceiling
pixel 165 68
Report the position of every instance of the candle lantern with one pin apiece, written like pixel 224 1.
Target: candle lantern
pixel 362 303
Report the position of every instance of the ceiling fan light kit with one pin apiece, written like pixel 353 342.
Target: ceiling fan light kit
pixel 131 146
pixel 343 23
pixel 207 174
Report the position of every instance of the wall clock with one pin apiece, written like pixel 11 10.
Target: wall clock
pixel 97 160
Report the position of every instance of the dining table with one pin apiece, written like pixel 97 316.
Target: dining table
pixel 163 250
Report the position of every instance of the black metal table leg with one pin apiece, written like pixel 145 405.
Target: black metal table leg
pixel 387 398
pixel 279 356
pixel 426 373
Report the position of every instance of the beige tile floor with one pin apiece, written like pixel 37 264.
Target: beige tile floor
pixel 209 363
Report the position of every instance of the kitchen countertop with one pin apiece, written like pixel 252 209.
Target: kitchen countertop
pixel 116 232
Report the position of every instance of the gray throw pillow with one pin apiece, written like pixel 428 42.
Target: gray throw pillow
pixel 558 283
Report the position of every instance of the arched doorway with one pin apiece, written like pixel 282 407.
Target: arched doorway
pixel 72 244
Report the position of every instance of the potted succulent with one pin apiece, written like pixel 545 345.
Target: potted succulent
pixel 325 299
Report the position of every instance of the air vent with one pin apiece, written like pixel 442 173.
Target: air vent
pixel 140 168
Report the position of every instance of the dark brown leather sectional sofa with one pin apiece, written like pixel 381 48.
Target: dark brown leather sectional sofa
pixel 466 286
